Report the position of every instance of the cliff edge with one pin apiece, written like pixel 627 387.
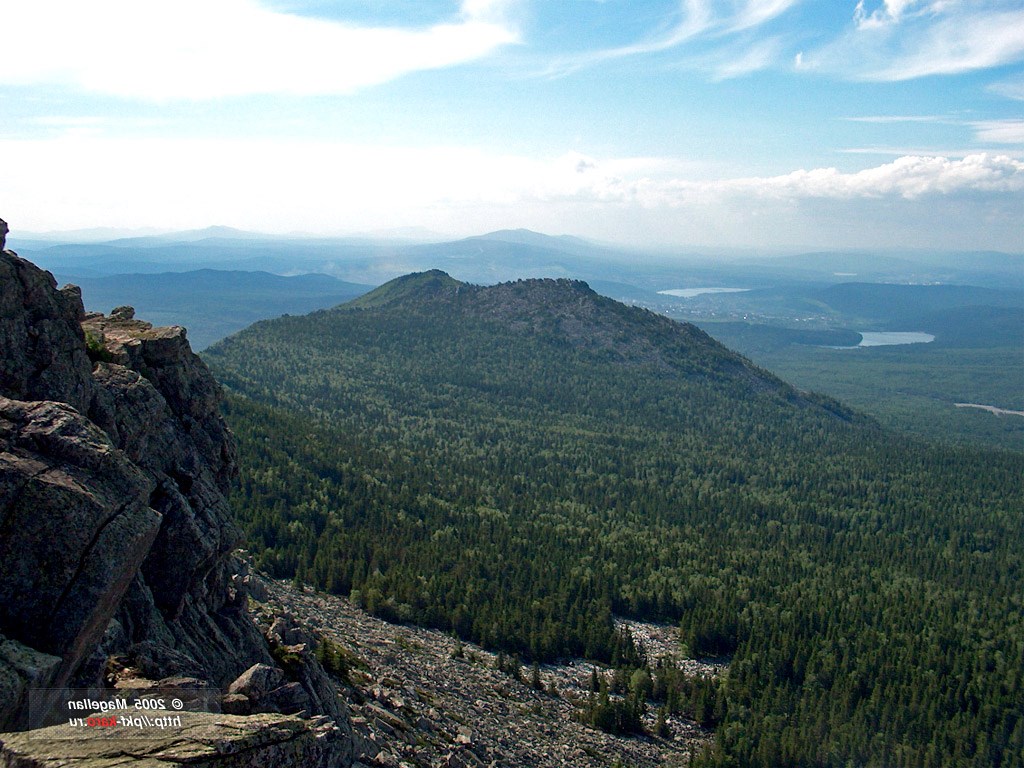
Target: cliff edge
pixel 115 534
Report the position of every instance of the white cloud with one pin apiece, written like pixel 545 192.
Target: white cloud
pixel 754 13
pixel 1000 131
pixel 886 119
pixel 907 39
pixel 204 49
pixel 696 20
pixel 695 17
pixel 905 151
pixel 1011 88
pixel 906 177
pixel 752 58
pixel 890 12
pixel 1006 131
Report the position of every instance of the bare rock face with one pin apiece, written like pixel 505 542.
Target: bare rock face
pixel 115 533
pixel 257 681
pixel 64 574
pixel 44 353
pixel 160 404
pixel 22 668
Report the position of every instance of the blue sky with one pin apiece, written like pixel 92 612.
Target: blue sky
pixel 702 123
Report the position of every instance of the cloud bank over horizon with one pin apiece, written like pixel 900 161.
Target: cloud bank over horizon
pixel 334 188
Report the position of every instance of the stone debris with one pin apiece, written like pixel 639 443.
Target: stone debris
pixel 419 697
pixel 661 643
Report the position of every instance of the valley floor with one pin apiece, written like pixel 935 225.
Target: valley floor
pixel 421 698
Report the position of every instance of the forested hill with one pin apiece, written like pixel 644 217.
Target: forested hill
pixel 567 312
pixel 561 318
pixel 518 463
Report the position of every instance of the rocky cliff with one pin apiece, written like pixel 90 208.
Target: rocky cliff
pixel 115 534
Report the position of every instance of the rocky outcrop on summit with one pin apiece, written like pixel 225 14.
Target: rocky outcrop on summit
pixel 116 537
pixel 44 354
pixel 571 314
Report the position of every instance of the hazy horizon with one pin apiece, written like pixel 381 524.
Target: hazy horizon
pixel 100 235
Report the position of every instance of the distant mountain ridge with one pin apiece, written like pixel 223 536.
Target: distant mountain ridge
pixel 496 257
pixel 882 300
pixel 568 243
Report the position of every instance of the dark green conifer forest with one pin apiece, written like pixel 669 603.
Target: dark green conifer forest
pixel 519 464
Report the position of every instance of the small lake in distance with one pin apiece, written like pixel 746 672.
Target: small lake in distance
pixel 890 338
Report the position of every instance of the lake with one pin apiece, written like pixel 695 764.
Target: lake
pixel 889 338
pixel 689 293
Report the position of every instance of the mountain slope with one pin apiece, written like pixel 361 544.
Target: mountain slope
pixel 519 463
